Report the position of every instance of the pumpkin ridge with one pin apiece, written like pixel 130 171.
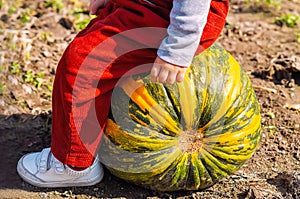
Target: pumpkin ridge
pixel 171 119
pixel 228 127
pixel 172 100
pixel 208 171
pixel 218 161
pixel 204 175
pixel 214 170
pixel 214 130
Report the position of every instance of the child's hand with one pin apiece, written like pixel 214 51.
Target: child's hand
pixel 96 5
pixel 164 72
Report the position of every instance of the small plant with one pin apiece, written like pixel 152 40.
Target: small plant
pixel 15 68
pixel 26 16
pixel 270 129
pixel 56 4
pixel 275 3
pixel 45 36
pixel 49 87
pixel 11 10
pixel 39 79
pixel 35 79
pixel 289 20
pixel 28 77
pixel 298 37
pixel 46 95
pixel 13 46
pixel 27 55
pixel 40 75
pixel 2 88
pixel 79 25
pixel 37 83
pixel 271 115
pixel 2 3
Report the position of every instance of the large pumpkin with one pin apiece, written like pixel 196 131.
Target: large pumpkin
pixel 185 136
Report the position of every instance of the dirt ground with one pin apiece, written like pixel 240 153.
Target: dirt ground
pixel 33 36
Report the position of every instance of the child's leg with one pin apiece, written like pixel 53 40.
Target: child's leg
pixel 81 100
pixel 85 79
pixel 81 97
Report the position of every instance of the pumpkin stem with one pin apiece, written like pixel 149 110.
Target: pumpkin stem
pixel 190 141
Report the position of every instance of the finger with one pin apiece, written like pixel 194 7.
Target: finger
pixel 180 75
pixel 163 75
pixel 154 72
pixel 171 78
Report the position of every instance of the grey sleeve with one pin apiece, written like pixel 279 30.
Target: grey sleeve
pixel 187 21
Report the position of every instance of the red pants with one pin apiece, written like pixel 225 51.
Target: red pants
pixel 97 58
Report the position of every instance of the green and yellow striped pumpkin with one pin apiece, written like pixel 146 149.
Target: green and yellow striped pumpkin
pixel 183 136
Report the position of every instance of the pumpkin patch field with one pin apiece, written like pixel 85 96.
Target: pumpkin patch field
pixel 231 129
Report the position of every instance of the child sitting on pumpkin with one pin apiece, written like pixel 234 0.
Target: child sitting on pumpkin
pixel 118 40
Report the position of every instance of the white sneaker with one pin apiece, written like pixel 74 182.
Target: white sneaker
pixel 42 169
